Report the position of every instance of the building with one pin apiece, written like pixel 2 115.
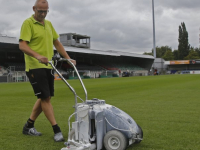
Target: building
pixel 97 62
pixel 183 66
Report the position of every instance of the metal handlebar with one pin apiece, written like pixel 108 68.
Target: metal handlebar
pixel 71 88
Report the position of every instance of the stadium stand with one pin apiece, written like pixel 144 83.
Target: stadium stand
pixel 84 66
pixel 17 66
pixel 3 71
pixel 120 66
pixel 91 63
pixel 183 66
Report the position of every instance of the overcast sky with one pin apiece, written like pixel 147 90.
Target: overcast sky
pixel 124 25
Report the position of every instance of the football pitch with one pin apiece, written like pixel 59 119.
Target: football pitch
pixel 166 107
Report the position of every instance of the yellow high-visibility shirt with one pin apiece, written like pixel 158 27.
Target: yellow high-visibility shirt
pixel 40 39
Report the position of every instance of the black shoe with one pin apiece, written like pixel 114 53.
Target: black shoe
pixel 30 131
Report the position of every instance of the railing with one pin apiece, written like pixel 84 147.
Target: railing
pixel 13 76
pixel 20 76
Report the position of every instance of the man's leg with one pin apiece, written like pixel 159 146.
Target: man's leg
pixel 37 109
pixel 29 126
pixel 34 114
pixel 42 81
pixel 49 113
pixel 47 108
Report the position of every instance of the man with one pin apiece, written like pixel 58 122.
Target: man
pixel 36 41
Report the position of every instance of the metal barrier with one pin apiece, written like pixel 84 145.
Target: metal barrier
pixel 16 76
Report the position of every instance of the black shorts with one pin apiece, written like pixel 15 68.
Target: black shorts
pixel 42 81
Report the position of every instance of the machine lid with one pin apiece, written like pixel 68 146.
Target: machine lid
pixel 95 101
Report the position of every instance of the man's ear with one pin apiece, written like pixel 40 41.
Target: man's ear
pixel 34 8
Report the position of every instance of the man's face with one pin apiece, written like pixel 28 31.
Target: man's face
pixel 41 11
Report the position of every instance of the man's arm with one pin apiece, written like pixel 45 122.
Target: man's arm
pixel 23 46
pixel 59 47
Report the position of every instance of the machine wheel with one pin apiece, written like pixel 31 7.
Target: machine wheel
pixel 115 140
pixel 140 135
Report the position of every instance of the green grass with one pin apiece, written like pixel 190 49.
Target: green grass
pixel 166 107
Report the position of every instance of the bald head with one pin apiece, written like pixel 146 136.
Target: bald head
pixel 41 9
pixel 41 2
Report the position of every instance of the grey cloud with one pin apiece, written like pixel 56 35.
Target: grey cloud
pixel 178 4
pixel 118 24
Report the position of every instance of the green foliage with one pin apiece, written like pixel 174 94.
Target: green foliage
pixel 160 51
pixel 166 107
pixel 184 52
pixel 164 52
pixel 183 47
pixel 192 55
pixel 197 50
pixel 168 55
pixel 175 53
pixel 146 53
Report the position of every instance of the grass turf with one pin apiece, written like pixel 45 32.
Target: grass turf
pixel 166 107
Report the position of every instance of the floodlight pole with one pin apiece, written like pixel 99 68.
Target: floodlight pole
pixel 154 39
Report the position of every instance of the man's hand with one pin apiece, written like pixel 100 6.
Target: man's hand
pixel 43 60
pixel 62 51
pixel 23 46
pixel 73 61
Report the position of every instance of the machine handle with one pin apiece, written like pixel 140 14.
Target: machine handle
pixel 68 60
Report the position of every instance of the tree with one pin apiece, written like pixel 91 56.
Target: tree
pixel 175 53
pixel 183 47
pixel 192 55
pixel 148 53
pixel 197 50
pixel 168 55
pixel 160 51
